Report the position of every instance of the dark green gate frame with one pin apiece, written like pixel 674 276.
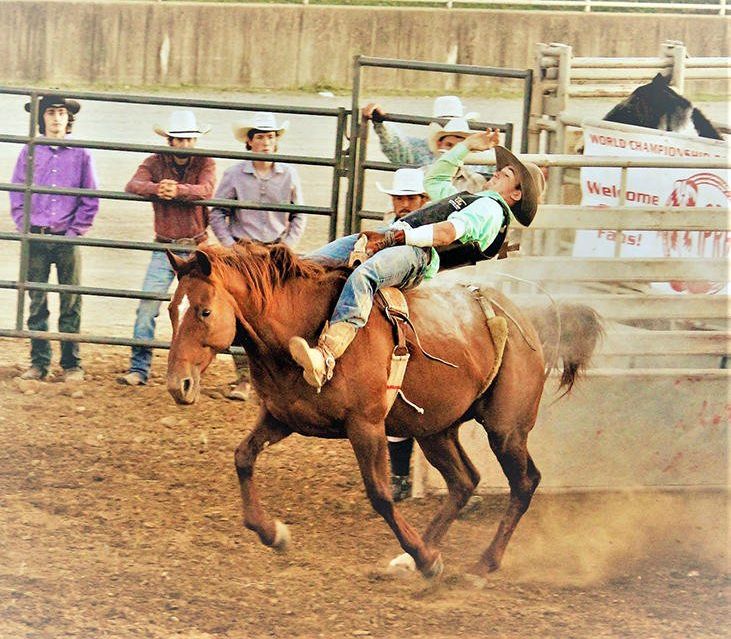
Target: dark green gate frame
pixel 359 126
pixel 336 162
pixel 347 163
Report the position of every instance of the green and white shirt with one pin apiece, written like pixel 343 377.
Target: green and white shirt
pixel 482 219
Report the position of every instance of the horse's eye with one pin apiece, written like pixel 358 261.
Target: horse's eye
pixel 205 312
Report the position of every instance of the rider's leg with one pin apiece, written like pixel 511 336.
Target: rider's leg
pixel 401 266
pixel 338 250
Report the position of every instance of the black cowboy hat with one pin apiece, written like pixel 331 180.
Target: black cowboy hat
pixel 531 181
pixel 48 101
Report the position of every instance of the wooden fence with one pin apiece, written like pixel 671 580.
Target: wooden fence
pixel 559 77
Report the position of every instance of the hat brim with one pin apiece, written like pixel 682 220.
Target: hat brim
pixel 241 130
pixel 525 209
pixel 440 133
pixel 397 192
pixel 182 134
pixel 72 106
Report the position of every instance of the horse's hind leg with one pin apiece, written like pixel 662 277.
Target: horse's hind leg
pixel 511 449
pixel 267 431
pixel 371 451
pixel 445 453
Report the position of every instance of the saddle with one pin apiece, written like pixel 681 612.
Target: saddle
pixel 396 310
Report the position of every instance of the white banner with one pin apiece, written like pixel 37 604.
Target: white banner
pixel 654 187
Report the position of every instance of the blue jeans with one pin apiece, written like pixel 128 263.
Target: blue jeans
pixel 158 278
pixel 399 266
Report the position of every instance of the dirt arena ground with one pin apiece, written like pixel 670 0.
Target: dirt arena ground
pixel 120 518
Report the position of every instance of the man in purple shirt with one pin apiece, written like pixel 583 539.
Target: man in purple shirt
pixel 53 214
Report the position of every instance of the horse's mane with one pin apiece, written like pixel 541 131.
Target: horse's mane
pixel 266 268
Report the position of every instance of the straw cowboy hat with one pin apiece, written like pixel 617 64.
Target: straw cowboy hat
pixel 531 181
pixel 181 124
pixel 405 182
pixel 48 101
pixel 263 121
pixel 456 126
pixel 450 106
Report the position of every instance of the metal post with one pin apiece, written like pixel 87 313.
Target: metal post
pixel 359 175
pixel 536 106
pixel 338 171
pixel 527 99
pixel 27 197
pixel 353 146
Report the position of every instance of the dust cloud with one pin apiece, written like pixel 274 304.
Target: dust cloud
pixel 596 537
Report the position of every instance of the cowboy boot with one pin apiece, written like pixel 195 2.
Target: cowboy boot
pixel 319 362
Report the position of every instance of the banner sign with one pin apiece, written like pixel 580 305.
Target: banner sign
pixel 654 187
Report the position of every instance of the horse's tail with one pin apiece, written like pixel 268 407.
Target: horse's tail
pixel 570 333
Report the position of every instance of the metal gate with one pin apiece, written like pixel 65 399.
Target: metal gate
pixel 359 126
pixel 335 162
pixel 347 162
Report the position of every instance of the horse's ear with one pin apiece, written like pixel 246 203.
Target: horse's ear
pixel 175 261
pixel 204 262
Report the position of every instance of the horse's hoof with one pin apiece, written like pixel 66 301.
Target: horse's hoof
pixel 483 568
pixel 435 569
pixel 281 536
pixel 402 566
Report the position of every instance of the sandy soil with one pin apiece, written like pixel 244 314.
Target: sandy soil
pixel 120 518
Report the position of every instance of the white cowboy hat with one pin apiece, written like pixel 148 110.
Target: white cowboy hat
pixel 450 106
pixel 456 126
pixel 405 182
pixel 263 121
pixel 181 124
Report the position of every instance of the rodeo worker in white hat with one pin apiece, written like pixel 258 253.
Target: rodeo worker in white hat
pixel 407 193
pixel 172 182
pixel 402 149
pixel 443 139
pixel 263 182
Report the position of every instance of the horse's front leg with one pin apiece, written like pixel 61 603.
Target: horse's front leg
pixel 267 431
pixel 371 451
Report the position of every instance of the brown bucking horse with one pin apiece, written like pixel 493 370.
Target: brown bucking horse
pixel 259 297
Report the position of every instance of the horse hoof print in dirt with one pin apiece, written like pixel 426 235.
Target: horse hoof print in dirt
pixel 259 297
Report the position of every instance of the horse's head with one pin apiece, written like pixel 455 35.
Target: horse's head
pixel 655 105
pixel 203 315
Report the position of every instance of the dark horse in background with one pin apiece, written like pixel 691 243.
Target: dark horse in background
pixel 260 297
pixel 656 105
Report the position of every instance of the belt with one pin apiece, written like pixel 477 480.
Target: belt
pixel 262 242
pixel 185 241
pixel 45 230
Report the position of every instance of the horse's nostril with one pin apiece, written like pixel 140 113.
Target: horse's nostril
pixel 187 383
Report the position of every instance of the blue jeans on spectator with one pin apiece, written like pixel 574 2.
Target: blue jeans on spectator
pixel 399 266
pixel 158 278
